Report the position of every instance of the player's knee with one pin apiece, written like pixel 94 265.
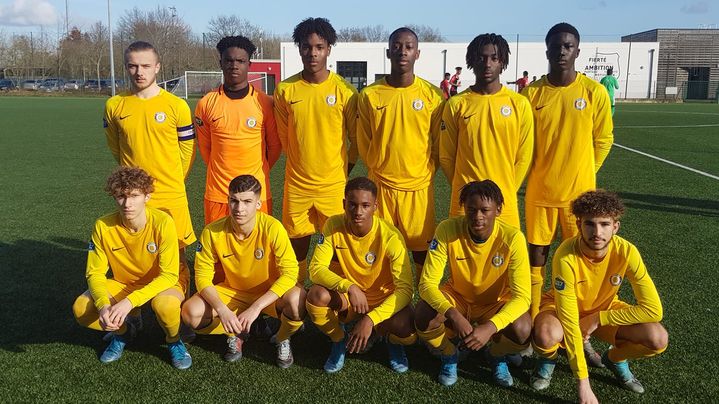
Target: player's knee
pixel 192 312
pixel 82 308
pixel 294 307
pixel 318 296
pixel 658 339
pixel 165 307
pixel 521 329
pixel 546 333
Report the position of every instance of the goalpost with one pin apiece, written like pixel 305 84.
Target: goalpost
pixel 199 83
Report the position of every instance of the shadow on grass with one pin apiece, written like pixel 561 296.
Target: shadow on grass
pixel 672 204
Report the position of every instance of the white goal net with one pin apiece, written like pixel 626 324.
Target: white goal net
pixel 197 84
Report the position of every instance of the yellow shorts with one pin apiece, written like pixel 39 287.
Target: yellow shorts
pixel 180 213
pixel 606 333
pixel 237 301
pixel 412 212
pixel 351 315
pixel 218 210
pixel 304 215
pixel 542 223
pixel 119 290
pixel 472 312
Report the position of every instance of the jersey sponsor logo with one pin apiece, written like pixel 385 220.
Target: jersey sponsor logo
pixel 497 260
pixel 91 246
pixel 117 248
pixel 259 253
pixel 199 247
pixel 321 240
pixel 216 119
pixel 615 280
pixel 151 247
pixel 442 126
pixel 160 117
pixel 559 284
pixel 580 103
pixel 295 102
pixel 537 108
pixel 467 116
pixel 251 122
pixel 227 255
pixel 506 110
pixel 370 257
pixel 331 100
pixel 417 104
pixel 188 235
pixel 433 244
pixel 381 107
pixel 198 121
pixel 123 117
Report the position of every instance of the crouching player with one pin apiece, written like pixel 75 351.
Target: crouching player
pixel 588 270
pixel 487 294
pixel 371 280
pixel 260 267
pixel 139 245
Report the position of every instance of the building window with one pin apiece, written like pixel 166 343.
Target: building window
pixel 354 72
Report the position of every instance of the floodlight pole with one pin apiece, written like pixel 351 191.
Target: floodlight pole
pixel 112 56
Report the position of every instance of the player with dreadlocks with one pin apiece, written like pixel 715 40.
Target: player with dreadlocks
pixel 487 131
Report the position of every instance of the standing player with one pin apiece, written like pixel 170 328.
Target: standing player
pixel 610 83
pixel 139 246
pixel 573 135
pixel 521 82
pixel 588 270
pixel 397 136
pixel 316 114
pixel 488 131
pixel 488 285
pixel 372 282
pixel 455 82
pixel 254 252
pixel 236 131
pixel 150 128
pixel 444 86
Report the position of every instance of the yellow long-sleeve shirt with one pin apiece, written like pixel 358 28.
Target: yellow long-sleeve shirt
pixel 377 263
pixel 487 137
pixel 482 273
pixel 398 133
pixel 149 258
pixel 155 134
pixel 316 124
pixel 573 135
pixel 261 262
pixel 582 287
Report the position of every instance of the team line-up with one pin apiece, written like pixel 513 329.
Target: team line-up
pixel 486 140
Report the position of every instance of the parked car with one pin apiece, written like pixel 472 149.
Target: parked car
pixel 31 84
pixel 74 84
pixel 91 85
pixel 7 85
pixel 52 85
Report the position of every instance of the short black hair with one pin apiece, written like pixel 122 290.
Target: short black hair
pixel 320 26
pixel 447 75
pixel 525 73
pixel 486 189
pixel 139 46
pixel 559 28
pixel 361 183
pixel 475 47
pixel 401 30
pixel 244 183
pixel 458 68
pixel 238 41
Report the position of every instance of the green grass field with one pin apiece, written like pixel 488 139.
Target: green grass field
pixel 55 161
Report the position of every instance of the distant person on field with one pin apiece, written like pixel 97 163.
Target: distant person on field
pixel 534 78
pixel 138 245
pixel 455 82
pixel 444 86
pixel 610 83
pixel 587 272
pixel 522 81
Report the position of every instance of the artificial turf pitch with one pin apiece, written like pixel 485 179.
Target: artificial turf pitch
pixel 54 163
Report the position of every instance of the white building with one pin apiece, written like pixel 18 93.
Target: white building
pixel 362 63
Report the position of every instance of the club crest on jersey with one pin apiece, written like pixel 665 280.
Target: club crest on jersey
pixel 580 103
pixel 497 260
pixel 370 257
pixel 615 280
pixel 151 247
pixel 251 122
pixel 433 244
pixel 558 283
pixel 160 117
pixel 198 121
pixel 331 100
pixel 417 104
pixel 199 247
pixel 91 246
pixel 259 253
pixel 506 110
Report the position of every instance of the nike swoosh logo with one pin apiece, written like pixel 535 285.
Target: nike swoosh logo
pixel 468 116
pixel 227 255
pixel 295 102
pixel 582 281
pixel 123 117
pixel 216 119
pixel 117 248
pixel 188 236
pixel 461 258
pixel 339 247
pixel 538 108
pixel 382 107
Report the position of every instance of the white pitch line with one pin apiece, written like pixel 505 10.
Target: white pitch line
pixel 668 162
pixel 672 112
pixel 708 125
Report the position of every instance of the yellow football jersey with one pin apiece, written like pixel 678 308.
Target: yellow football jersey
pixel 377 263
pixel 582 287
pixel 487 137
pixel 482 273
pixel 261 262
pixel 149 257
pixel 154 134
pixel 316 124
pixel 573 135
pixel 398 132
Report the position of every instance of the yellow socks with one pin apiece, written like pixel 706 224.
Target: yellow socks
pixel 287 328
pixel 537 278
pixel 437 339
pixel 326 320
pixel 505 346
pixel 167 311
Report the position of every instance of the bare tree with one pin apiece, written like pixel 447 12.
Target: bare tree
pixel 367 33
pixel 232 25
pixel 98 38
pixel 425 33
